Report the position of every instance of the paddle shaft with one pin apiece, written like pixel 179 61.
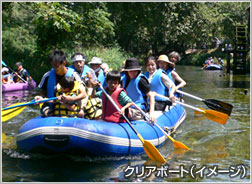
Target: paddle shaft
pixel 212 104
pixel 13 71
pixel 143 113
pixel 30 103
pixel 192 96
pixel 216 116
pixel 186 105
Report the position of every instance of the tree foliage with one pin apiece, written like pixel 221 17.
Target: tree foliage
pixel 30 30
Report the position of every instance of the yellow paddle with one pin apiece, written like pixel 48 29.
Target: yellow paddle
pixel 149 148
pixel 176 144
pixel 10 113
pixel 15 109
pixel 216 116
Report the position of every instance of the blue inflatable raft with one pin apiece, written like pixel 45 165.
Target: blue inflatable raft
pixel 95 137
pixel 213 67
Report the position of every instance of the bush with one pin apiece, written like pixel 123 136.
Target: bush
pixel 113 56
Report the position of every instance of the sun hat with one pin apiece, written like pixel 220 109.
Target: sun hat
pixel 78 58
pixel 95 60
pixel 132 64
pixel 4 69
pixel 165 59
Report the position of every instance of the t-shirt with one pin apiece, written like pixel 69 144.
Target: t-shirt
pixel 123 98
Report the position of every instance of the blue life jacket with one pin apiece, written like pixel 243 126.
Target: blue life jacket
pixel 123 76
pixel 84 72
pixel 134 92
pixel 51 84
pixel 101 78
pixel 157 84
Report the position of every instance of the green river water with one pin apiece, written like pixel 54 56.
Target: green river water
pixel 216 152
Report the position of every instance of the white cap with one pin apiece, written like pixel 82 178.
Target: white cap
pixel 95 60
pixel 78 58
pixel 4 69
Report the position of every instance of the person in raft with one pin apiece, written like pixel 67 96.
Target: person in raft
pixel 168 66
pixel 118 94
pixel 6 76
pixel 96 64
pixel 86 73
pixel 138 89
pixel 51 78
pixel 159 83
pixel 22 73
pixel 174 57
pixel 67 91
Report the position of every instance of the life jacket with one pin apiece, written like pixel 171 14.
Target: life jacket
pixel 84 72
pixel 157 85
pixel 101 78
pixel 110 113
pixel 51 84
pixel 93 109
pixel 59 109
pixel 135 93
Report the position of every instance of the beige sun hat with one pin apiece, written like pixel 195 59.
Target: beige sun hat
pixel 165 59
pixel 95 60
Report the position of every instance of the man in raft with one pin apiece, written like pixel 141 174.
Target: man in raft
pixel 51 78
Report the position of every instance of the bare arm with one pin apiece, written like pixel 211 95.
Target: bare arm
pixel 126 106
pixel 92 80
pixel 69 106
pixel 151 96
pixel 169 84
pixel 176 77
pixel 80 96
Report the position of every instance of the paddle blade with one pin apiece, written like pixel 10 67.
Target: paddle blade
pixel 180 145
pixel 219 106
pixel 11 113
pixel 151 151
pixel 215 116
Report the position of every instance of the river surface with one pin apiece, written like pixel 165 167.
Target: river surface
pixel 218 153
